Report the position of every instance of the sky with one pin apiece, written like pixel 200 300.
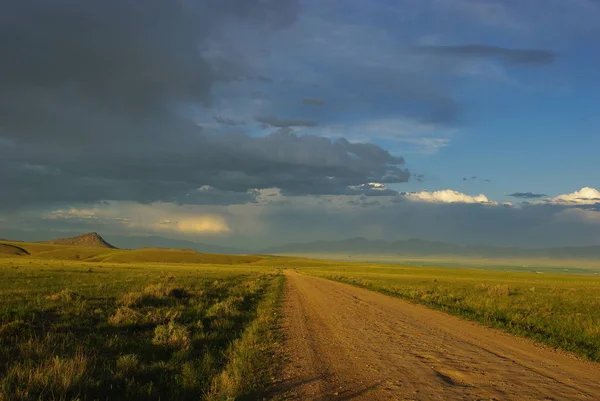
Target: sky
pixel 252 123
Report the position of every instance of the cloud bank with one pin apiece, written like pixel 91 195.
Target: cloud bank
pixel 447 196
pixel 447 215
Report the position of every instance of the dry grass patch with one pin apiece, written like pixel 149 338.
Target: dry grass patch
pixel 151 294
pixel 172 335
pixel 131 299
pixel 497 290
pixel 228 308
pixel 65 295
pixel 127 365
pixel 125 316
pixel 500 290
pixel 164 291
pixel 55 378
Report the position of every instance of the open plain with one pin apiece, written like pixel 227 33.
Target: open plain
pixel 92 323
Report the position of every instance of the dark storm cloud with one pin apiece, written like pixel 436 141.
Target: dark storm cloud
pixel 93 100
pixel 527 195
pixel 123 55
pixel 228 121
pixel 286 122
pixel 593 207
pixel 235 162
pixel 207 195
pixel 313 102
pixel 371 189
pixel 115 65
pixel 512 56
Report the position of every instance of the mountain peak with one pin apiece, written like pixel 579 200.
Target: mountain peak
pixel 93 240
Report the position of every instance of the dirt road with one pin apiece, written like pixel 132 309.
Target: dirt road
pixel 346 343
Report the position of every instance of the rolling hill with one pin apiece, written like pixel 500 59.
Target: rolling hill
pixel 120 241
pixel 101 251
pixel 12 250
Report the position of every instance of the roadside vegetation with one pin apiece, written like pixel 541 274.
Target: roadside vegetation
pixel 560 310
pixel 73 330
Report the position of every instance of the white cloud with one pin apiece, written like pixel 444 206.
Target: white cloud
pixel 83 215
pixel 447 196
pixel 585 196
pixel 371 189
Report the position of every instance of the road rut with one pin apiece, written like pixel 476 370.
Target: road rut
pixel 347 343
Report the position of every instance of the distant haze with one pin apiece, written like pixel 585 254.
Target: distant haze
pixel 420 248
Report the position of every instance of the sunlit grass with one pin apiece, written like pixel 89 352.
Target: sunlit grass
pixel 78 330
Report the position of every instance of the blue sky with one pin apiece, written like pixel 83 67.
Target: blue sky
pixel 239 122
pixel 525 128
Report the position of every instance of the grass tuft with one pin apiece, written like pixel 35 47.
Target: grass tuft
pixel 65 295
pixel 173 335
pixel 126 316
pixel 128 364
pixel 499 290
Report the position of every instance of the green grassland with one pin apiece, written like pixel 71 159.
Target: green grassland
pixel 525 264
pixel 82 323
pixel 560 310
pixel 88 324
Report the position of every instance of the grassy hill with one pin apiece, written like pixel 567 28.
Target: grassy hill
pixel 120 241
pixel 113 255
pixel 89 240
pixel 12 250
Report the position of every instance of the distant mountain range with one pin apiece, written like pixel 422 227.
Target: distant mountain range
pixel 138 242
pixel 420 248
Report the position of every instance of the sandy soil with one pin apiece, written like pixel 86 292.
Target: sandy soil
pixel 346 343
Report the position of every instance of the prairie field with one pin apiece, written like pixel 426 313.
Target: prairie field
pixel 560 310
pixel 77 330
pixel 158 324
